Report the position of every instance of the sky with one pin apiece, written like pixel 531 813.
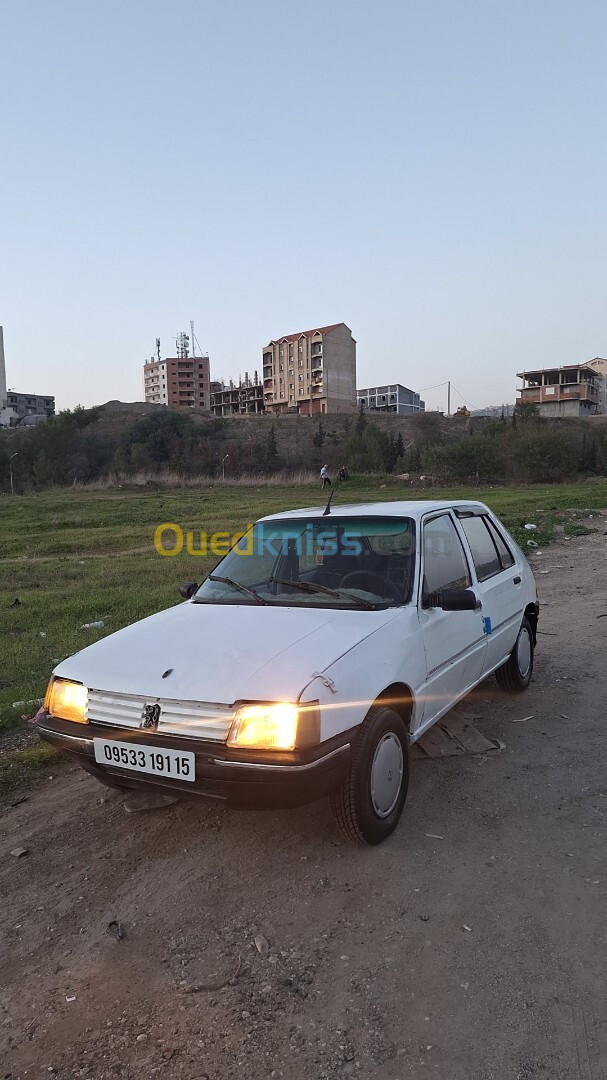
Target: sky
pixel 430 173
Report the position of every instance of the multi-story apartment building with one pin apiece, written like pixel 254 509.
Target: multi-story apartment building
pixel 311 372
pixel 181 382
pixel 572 390
pixel 394 398
pixel 25 405
pixel 230 400
pixel 18 408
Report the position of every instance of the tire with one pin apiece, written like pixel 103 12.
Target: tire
pixel 370 802
pixel 515 675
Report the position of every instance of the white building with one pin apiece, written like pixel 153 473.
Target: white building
pixel 394 398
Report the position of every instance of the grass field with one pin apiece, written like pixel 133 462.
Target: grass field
pixel 75 557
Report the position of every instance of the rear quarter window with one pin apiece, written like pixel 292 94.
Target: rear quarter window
pixel 485 553
pixel 506 556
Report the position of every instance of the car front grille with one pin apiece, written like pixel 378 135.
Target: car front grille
pixel 194 719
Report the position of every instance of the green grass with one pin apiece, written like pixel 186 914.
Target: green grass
pixel 65 555
pixel 18 766
pixel 36 757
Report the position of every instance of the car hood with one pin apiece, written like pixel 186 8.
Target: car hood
pixel 222 653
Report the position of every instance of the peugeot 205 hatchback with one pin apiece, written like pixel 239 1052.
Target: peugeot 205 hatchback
pixel 310 659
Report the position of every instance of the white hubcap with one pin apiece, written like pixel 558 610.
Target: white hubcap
pixel 386 774
pixel 523 653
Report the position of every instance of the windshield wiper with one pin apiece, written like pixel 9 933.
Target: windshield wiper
pixel 236 585
pixel 311 586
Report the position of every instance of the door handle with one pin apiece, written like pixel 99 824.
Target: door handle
pixel 516 580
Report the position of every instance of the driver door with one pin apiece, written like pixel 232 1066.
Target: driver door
pixel 454 641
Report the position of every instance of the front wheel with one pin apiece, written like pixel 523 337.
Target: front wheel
pixel 515 675
pixel 370 802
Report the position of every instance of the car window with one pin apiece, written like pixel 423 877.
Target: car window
pixel 318 561
pixel 445 565
pixel 391 538
pixel 250 570
pixel 484 551
pixel 506 556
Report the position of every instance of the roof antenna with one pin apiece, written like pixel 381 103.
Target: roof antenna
pixel 327 509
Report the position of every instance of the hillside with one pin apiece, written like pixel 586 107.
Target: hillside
pixel 119 440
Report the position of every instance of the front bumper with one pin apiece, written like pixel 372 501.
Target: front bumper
pixel 242 778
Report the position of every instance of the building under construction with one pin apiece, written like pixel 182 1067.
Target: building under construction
pixel 572 390
pixel 229 399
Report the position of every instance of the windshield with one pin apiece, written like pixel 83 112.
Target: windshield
pixel 313 562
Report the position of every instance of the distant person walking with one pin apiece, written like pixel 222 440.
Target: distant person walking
pixel 324 476
pixel 343 473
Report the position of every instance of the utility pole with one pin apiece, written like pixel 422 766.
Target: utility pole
pixel 10 465
pixel 449 398
pixel 223 466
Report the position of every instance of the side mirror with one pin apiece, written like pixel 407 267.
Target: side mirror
pixel 458 600
pixel 452 600
pixel 188 590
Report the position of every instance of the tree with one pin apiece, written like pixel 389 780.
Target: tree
pixel 166 435
pixel 269 450
pixel 588 453
pixel 475 457
pixel 319 437
pixel 601 453
pixel 140 460
pixel 400 445
pixel 120 462
pixel 42 471
pixel 85 417
pixel 545 456
pixel 361 422
pixel 526 410
pixel 366 453
pixel 389 452
pixel 413 459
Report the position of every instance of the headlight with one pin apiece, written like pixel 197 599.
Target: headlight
pixel 66 700
pixel 277 726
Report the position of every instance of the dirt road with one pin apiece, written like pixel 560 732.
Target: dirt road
pixel 470 946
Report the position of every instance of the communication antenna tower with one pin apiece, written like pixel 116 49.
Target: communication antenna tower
pixel 183 345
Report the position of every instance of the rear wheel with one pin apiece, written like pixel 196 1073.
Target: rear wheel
pixel 370 802
pixel 515 675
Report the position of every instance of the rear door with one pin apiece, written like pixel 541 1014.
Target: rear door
pixel 500 585
pixel 454 641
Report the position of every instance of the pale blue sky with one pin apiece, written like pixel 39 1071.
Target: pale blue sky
pixel 431 173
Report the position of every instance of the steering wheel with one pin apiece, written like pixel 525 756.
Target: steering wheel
pixel 371 574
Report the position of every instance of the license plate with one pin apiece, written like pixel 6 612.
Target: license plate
pixel 155 760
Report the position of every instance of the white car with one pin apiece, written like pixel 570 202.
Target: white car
pixel 319 649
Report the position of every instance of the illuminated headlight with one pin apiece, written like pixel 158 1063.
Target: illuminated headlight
pixel 276 726
pixel 66 700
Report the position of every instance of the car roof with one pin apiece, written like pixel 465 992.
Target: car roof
pixel 413 508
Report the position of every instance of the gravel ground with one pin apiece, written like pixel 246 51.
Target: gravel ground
pixel 470 946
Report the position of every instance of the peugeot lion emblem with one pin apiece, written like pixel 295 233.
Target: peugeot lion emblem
pixel 150 716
